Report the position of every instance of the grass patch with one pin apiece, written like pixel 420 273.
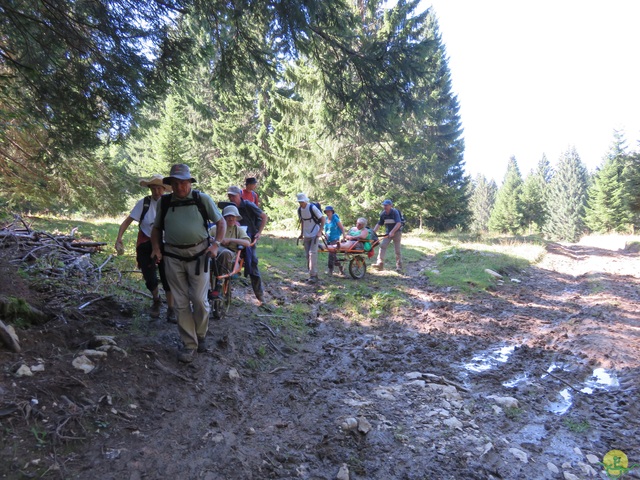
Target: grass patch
pixel 576 426
pixel 513 413
pixel 466 269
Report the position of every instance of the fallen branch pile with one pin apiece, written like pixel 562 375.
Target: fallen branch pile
pixel 54 254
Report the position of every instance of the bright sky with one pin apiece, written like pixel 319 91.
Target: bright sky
pixel 541 76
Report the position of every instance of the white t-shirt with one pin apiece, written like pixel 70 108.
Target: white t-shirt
pixel 147 221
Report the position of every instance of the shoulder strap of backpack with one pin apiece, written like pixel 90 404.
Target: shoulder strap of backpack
pixel 165 201
pixel 145 208
pixel 313 215
pixel 201 208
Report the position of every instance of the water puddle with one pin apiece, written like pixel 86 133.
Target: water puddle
pixel 599 380
pixel 562 403
pixel 520 379
pixel 486 361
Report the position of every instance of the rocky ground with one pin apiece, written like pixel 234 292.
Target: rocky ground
pixel 536 380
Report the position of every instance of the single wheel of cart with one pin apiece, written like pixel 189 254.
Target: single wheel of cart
pixel 357 267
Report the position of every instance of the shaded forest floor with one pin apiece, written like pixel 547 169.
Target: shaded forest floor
pixel 537 379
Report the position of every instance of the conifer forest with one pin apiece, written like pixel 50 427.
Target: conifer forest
pixel 348 101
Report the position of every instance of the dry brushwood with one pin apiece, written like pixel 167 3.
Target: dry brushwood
pixel 30 246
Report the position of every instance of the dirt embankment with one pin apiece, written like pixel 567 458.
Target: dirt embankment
pixel 538 379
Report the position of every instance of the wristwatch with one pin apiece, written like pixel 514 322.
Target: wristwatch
pixel 216 242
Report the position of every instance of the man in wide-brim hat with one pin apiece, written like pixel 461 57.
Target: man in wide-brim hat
pixel 182 228
pixel 144 212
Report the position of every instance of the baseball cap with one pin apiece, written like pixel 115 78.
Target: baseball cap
pixel 387 202
pixel 233 190
pixel 302 198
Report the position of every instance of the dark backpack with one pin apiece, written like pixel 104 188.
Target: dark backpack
pixel 373 236
pixel 402 220
pixel 250 217
pixel 166 204
pixel 313 216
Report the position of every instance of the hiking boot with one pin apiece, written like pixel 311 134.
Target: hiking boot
pixel 171 315
pixel 377 266
pixel 186 355
pixel 341 268
pixel 260 298
pixel 154 312
pixel 202 344
pixel 329 272
pixel 312 280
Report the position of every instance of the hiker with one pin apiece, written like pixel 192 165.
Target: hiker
pixel 391 219
pixel 311 228
pixel 183 219
pixel 357 238
pixel 249 192
pixel 333 230
pixel 252 217
pixel 144 212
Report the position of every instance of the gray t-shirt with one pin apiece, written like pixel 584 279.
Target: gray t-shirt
pixel 184 225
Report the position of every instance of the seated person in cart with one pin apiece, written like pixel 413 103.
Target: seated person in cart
pixel 357 238
pixel 234 236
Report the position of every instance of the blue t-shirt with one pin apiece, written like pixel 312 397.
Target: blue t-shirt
pixel 331 229
pixel 390 219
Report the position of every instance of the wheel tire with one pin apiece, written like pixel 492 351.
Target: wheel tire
pixel 220 306
pixel 226 295
pixel 357 267
pixel 216 309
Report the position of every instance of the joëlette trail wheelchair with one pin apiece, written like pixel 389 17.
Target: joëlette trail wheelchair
pixel 220 297
pixel 354 254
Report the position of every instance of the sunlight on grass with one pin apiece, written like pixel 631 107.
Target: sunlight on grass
pixel 464 264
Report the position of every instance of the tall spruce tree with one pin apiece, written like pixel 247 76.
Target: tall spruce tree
pixel 632 183
pixel 566 198
pixel 482 198
pixel 506 216
pixel 533 197
pixel 608 201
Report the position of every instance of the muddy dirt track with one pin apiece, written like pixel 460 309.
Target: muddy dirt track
pixel 536 380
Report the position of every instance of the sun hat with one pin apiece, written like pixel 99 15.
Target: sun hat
pixel 250 181
pixel 329 208
pixel 231 210
pixel 180 171
pixel 233 190
pixel 302 198
pixel 387 202
pixel 155 181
